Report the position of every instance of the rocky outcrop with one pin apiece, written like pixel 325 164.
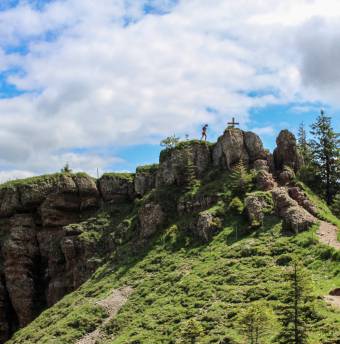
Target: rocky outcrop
pixel 174 161
pixel 196 204
pixel 257 205
pixel 261 165
pixel 235 145
pixel 21 253
pixel 150 216
pixel 145 179
pixel 32 216
pixel 302 199
pixel 287 176
pixel 295 218
pixel 286 153
pixel 264 180
pixel 207 225
pixel 116 187
pixel 4 312
pixel 49 241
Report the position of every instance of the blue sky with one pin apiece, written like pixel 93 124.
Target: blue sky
pixel 98 85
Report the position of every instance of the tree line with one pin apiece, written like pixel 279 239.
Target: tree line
pixel 321 155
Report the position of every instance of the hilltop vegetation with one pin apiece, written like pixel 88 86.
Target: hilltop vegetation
pixel 176 278
pixel 204 239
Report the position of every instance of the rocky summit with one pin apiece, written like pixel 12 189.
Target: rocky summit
pixel 211 218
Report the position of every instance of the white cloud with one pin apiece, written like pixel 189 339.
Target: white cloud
pixel 264 131
pixel 101 83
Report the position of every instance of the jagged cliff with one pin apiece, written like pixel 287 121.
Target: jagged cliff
pixel 56 230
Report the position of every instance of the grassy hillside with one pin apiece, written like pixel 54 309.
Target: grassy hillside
pixel 176 278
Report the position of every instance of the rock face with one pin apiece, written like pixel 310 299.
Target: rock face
pixel 235 145
pixel 286 153
pixel 116 187
pixel 207 225
pixel 145 179
pixel 302 199
pixel 256 205
pixel 151 216
pixel 295 218
pixel 174 161
pixel 264 180
pixel 43 254
pixel 32 217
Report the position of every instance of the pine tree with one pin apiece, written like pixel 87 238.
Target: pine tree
pixel 241 179
pixel 326 155
pixel 66 169
pixel 254 323
pixel 296 306
pixel 190 332
pixel 303 145
pixel 335 206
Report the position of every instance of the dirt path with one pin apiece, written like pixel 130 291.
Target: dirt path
pixel 333 300
pixel 327 234
pixel 112 305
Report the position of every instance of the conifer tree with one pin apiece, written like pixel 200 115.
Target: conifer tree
pixel 326 155
pixel 303 145
pixel 190 332
pixel 335 206
pixel 254 323
pixel 66 169
pixel 296 306
pixel 241 179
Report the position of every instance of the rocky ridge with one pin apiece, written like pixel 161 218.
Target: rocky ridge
pixel 43 256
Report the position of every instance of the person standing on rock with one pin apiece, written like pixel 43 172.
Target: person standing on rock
pixel 204 132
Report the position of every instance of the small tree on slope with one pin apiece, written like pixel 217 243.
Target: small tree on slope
pixel 296 306
pixel 254 323
pixel 241 179
pixel 326 155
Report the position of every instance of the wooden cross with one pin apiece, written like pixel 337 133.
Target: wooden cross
pixel 233 123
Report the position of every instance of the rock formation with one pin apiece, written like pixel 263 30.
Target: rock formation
pixel 174 161
pixel 286 153
pixel 235 145
pixel 42 220
pixel 295 218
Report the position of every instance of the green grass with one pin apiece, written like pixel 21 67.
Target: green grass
pixel 176 278
pixel 120 175
pixel 182 145
pixel 47 178
pixel 324 212
pixel 147 168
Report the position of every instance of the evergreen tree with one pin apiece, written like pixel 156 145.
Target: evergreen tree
pixel 66 169
pixel 190 332
pixel 335 206
pixel 326 155
pixel 241 179
pixel 303 145
pixel 254 323
pixel 296 306
pixel 170 142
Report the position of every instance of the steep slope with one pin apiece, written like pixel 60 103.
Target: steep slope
pixel 176 235
pixel 176 279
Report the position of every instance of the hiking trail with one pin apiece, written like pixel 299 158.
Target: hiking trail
pixel 112 304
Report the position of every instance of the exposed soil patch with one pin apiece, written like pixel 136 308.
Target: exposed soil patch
pixel 112 305
pixel 327 234
pixel 333 300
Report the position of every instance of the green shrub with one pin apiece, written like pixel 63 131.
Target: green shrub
pixel 284 259
pixel 236 205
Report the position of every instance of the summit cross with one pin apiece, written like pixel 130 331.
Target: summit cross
pixel 233 123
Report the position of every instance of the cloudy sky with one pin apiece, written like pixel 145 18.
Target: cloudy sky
pixel 98 84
